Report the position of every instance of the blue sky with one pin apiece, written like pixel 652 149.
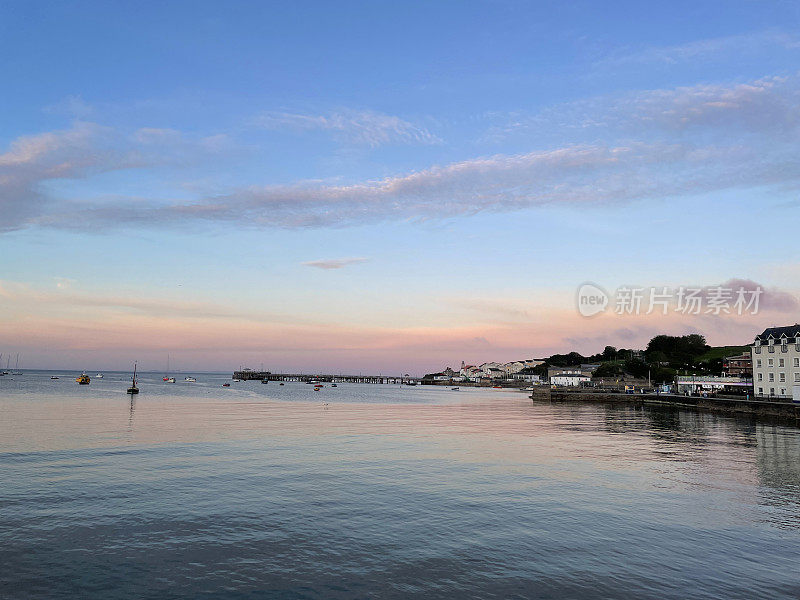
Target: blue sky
pixel 185 170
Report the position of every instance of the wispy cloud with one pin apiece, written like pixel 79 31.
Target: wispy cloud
pixel 742 135
pixel 358 127
pixel 84 150
pixel 704 49
pixel 334 263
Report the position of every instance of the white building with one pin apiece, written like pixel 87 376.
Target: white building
pixel 776 362
pixel 569 379
pixel 527 374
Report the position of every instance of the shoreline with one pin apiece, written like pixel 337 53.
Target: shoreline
pixel 732 406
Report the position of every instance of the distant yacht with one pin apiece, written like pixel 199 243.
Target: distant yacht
pixel 170 380
pixel 99 376
pixel 53 376
pixel 133 389
pixel 16 370
pixel 190 379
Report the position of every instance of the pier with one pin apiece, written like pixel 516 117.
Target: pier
pixel 247 374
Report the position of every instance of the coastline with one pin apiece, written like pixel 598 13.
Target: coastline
pixel 759 408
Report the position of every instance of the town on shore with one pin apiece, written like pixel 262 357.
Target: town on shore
pixel 768 368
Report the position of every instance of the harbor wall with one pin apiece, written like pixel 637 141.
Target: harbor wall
pixel 783 410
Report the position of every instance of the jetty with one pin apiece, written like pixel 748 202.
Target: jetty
pixel 248 374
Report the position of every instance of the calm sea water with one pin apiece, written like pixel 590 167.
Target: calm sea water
pixel 264 491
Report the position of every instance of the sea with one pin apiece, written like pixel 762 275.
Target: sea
pixel 198 491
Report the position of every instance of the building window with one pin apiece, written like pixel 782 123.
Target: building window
pixel 783 391
pixel 770 362
pixel 781 362
pixel 772 376
pixel 771 342
pixel 761 391
pixel 771 391
pixel 761 377
pixel 781 377
pixel 797 377
pixel 758 362
pixel 797 362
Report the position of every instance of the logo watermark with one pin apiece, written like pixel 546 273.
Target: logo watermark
pixel 592 300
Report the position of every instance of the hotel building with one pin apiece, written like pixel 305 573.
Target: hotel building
pixel 776 362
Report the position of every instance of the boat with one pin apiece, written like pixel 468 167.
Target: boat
pixel 99 376
pixel 281 383
pixel 83 379
pixel 316 389
pixel 16 370
pixel 166 373
pixel 265 381
pixel 133 389
pixel 226 385
pixel 497 387
pixel 236 380
pixel 455 389
pixel 334 385
pixel 190 379
pixel 8 362
pixel 313 382
pixel 411 383
pixel 53 377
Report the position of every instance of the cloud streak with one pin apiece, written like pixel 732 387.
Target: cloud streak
pixel 357 127
pixel 742 135
pixel 334 263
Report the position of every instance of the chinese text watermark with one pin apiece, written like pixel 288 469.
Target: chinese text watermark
pixel 686 300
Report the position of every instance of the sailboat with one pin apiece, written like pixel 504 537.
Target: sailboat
pixel 16 370
pixel 133 389
pixel 1 362
pixel 166 377
pixel 8 362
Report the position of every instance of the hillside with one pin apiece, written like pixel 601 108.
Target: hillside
pixel 722 352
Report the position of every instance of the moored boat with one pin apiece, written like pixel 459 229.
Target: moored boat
pixel 133 389
pixel 190 379
pixel 83 379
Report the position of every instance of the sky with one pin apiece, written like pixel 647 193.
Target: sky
pixel 384 187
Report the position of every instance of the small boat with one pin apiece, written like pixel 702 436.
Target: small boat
pixel 83 379
pixel 53 377
pixel 411 383
pixel 170 380
pixel 316 389
pixel 334 385
pixel 133 389
pixel 99 376
pixel 265 381
pixel 497 387
pixel 455 389
pixel 226 385
pixel 190 379
pixel 281 383
pixel 236 380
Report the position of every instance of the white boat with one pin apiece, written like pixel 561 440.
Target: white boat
pixel 99 376
pixel 190 379
pixel 170 380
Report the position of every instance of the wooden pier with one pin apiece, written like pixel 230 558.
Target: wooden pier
pixel 247 374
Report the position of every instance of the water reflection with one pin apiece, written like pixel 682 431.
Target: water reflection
pixel 373 491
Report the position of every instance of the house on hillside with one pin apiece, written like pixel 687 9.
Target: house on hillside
pixel 527 375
